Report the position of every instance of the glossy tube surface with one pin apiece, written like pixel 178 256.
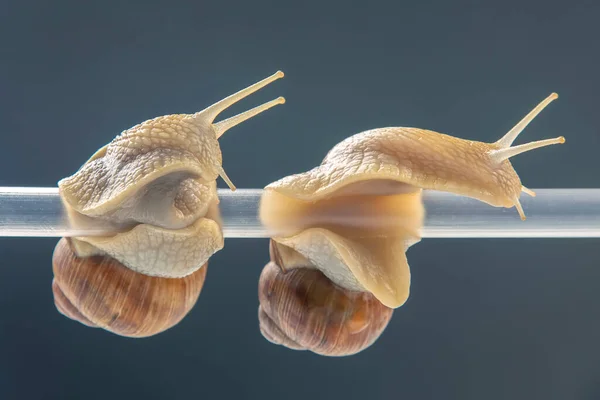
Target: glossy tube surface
pixel 39 212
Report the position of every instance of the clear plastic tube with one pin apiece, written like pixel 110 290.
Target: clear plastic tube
pixel 39 212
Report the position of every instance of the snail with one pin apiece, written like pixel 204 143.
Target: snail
pixel 157 182
pixel 371 176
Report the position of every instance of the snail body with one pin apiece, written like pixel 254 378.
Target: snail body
pixel 376 173
pixel 420 158
pixel 156 180
pixel 159 177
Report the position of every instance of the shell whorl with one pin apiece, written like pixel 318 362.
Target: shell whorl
pixel 302 309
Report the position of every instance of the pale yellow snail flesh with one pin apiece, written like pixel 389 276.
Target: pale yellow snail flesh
pixel 159 176
pixel 373 170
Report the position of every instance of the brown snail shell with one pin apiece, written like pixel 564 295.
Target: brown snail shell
pixel 99 291
pixel 300 308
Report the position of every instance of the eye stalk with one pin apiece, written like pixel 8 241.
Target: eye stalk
pixel 226 124
pixel 502 150
pixel 507 140
pixel 209 114
pixel 506 150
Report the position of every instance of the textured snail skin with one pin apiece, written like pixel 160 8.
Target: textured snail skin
pixel 386 169
pixel 423 159
pixel 302 309
pixel 157 180
pixel 99 291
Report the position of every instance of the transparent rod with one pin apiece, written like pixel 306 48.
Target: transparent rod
pixel 564 213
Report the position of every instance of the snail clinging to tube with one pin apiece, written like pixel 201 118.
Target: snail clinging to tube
pixel 157 180
pixel 377 172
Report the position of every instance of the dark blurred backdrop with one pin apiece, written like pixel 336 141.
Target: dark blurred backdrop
pixel 487 319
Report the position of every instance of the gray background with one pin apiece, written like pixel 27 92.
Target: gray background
pixel 487 319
